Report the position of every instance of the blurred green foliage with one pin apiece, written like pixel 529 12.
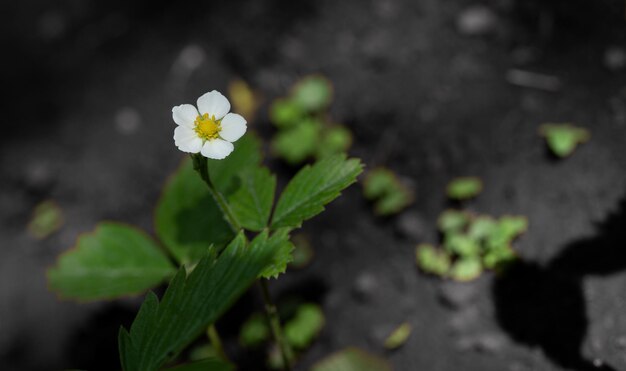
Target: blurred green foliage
pixel 389 194
pixel 562 139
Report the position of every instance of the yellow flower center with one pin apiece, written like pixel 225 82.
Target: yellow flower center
pixel 207 127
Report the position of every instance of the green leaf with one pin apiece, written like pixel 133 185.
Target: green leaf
pixel 466 269
pixel 399 336
pixel 298 143
pixel 312 188
pixel 432 260
pixel 462 245
pixel 379 182
pixel 283 256
pixel 191 303
pixel 335 139
pixel 307 323
pixel 187 219
pixel 303 251
pixel 352 359
pixel 313 93
pixel 499 258
pixel 112 261
pixel 224 173
pixel 562 139
pixel 481 227
pixel 452 221
pixel 464 188
pixel 391 196
pixel 252 202
pixel 47 218
pixel 393 203
pixel 255 331
pixel 211 364
pixel 285 113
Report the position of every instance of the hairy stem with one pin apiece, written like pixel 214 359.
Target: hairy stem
pixel 200 165
pixel 277 330
pixel 216 342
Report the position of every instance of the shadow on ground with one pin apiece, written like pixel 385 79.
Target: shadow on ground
pixel 545 306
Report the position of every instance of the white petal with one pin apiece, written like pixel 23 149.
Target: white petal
pixel 190 145
pixel 185 115
pixel 184 133
pixel 217 149
pixel 214 103
pixel 233 127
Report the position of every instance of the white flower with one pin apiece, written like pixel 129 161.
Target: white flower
pixel 210 129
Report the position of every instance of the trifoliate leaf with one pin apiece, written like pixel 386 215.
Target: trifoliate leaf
pixel 304 327
pixel 254 331
pixel 47 218
pixel 399 336
pixel 285 113
pixel 432 260
pixel 187 219
pixel 562 139
pixel 466 269
pixel 247 155
pixel 112 261
pixel 282 257
pixel 192 302
pixel 335 139
pixel 211 364
pixel 296 144
pixel 352 359
pixel 464 188
pixel 244 100
pixel 303 251
pixel 313 93
pixel 253 200
pixel 312 188
pixel 452 221
pixel 461 245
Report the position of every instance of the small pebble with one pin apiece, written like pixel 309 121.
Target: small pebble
pixel 411 225
pixel 489 342
pixel 127 120
pixel 476 21
pixel 615 58
pixel 365 285
pixel 457 295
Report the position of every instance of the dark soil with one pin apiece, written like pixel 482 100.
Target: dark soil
pixel 88 90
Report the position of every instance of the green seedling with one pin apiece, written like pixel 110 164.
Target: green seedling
pixel 47 219
pixel 562 139
pixel 464 188
pixel 254 331
pixel 398 336
pixel 433 260
pixel 389 194
pixel 352 359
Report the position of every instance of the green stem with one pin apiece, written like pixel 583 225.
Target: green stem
pixel 277 330
pixel 216 342
pixel 200 165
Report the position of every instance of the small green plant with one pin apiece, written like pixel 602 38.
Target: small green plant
pixel 46 220
pixel 471 244
pixel 219 229
pixel 562 139
pixel 352 359
pixel 398 336
pixel 464 188
pixel 389 194
pixel 302 121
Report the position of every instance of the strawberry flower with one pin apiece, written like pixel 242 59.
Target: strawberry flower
pixel 210 129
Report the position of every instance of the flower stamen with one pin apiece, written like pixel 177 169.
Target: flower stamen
pixel 207 127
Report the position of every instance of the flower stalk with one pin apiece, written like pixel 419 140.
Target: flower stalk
pixel 200 165
pixel 277 330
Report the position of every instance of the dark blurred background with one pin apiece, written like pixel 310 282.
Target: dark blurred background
pixel 430 88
